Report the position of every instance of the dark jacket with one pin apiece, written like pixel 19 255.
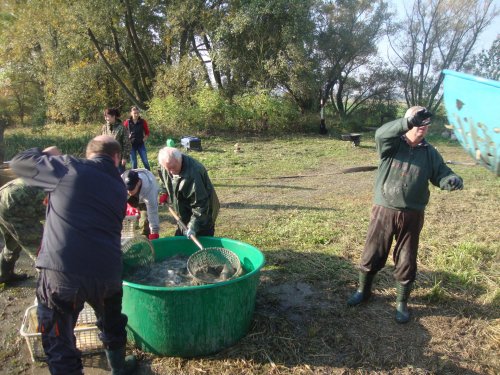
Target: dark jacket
pixel 404 172
pixel 192 195
pixel 87 201
pixel 137 130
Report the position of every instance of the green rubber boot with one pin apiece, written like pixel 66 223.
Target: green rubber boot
pixel 403 293
pixel 364 291
pixel 121 365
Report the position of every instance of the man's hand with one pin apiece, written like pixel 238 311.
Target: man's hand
pixel 453 183
pixel 190 233
pixel 52 151
pixel 421 118
pixel 163 199
pixel 153 236
pixel 124 162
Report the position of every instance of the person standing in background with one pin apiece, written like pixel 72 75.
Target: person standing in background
pixel 139 133
pixel 120 133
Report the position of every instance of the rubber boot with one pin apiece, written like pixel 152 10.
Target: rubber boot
pixel 121 365
pixel 403 293
pixel 364 289
pixel 7 274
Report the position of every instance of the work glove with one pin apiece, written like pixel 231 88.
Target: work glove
pixel 133 201
pixel 421 118
pixel 153 236
pixel 453 183
pixel 163 198
pixel 190 233
pixel 132 211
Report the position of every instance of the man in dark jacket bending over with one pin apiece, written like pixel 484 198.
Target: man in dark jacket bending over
pixel 407 164
pixel 80 258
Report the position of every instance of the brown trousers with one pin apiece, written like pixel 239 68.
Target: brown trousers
pixel 386 225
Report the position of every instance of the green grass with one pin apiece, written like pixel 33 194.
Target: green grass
pixel 287 196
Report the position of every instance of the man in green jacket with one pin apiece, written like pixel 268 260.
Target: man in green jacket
pixel 407 164
pixel 21 214
pixel 190 191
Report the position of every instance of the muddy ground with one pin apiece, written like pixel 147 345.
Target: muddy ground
pixel 302 325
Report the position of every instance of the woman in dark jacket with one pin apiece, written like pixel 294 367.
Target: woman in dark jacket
pixel 139 133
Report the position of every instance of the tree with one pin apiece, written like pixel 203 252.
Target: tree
pixel 437 35
pixel 486 64
pixel 348 32
pixel 257 42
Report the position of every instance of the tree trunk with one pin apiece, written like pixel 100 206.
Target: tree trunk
pixel 115 76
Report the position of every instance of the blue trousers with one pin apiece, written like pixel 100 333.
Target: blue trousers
pixel 61 297
pixel 141 149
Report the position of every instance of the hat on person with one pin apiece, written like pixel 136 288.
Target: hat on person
pixel 130 178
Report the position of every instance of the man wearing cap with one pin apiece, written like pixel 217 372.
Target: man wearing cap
pixel 190 191
pixel 407 164
pixel 143 193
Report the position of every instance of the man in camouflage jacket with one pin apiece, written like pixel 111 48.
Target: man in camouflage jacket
pixel 114 128
pixel 21 214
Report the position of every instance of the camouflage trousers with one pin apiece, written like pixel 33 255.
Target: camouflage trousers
pixel 19 234
pixel 143 220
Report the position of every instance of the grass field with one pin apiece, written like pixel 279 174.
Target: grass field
pixel 288 197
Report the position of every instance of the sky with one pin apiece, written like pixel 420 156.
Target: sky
pixel 485 40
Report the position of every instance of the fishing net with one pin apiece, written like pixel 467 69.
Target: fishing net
pixel 214 264
pixel 137 250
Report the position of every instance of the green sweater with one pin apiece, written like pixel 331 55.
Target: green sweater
pixel 192 194
pixel 404 172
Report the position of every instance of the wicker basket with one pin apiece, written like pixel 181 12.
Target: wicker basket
pixel 86 333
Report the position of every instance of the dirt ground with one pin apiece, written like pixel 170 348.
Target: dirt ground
pixel 303 326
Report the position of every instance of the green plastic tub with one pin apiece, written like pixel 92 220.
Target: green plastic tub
pixel 193 321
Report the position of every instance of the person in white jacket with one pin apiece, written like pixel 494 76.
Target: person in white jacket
pixel 143 189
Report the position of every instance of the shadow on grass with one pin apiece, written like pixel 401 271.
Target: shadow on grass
pixel 265 186
pixel 272 207
pixel 302 319
pixel 302 322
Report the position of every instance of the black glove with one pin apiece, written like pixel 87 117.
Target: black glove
pixel 453 183
pixel 421 118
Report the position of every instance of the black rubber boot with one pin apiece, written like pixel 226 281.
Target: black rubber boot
pixel 364 291
pixel 7 274
pixel 121 365
pixel 403 293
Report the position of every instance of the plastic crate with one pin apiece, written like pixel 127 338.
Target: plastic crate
pixel 86 333
pixel 129 226
pixel 191 143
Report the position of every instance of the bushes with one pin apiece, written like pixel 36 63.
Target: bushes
pixel 208 111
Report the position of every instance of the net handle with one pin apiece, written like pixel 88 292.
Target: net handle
pixel 184 228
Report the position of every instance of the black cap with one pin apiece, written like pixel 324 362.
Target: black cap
pixel 130 178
